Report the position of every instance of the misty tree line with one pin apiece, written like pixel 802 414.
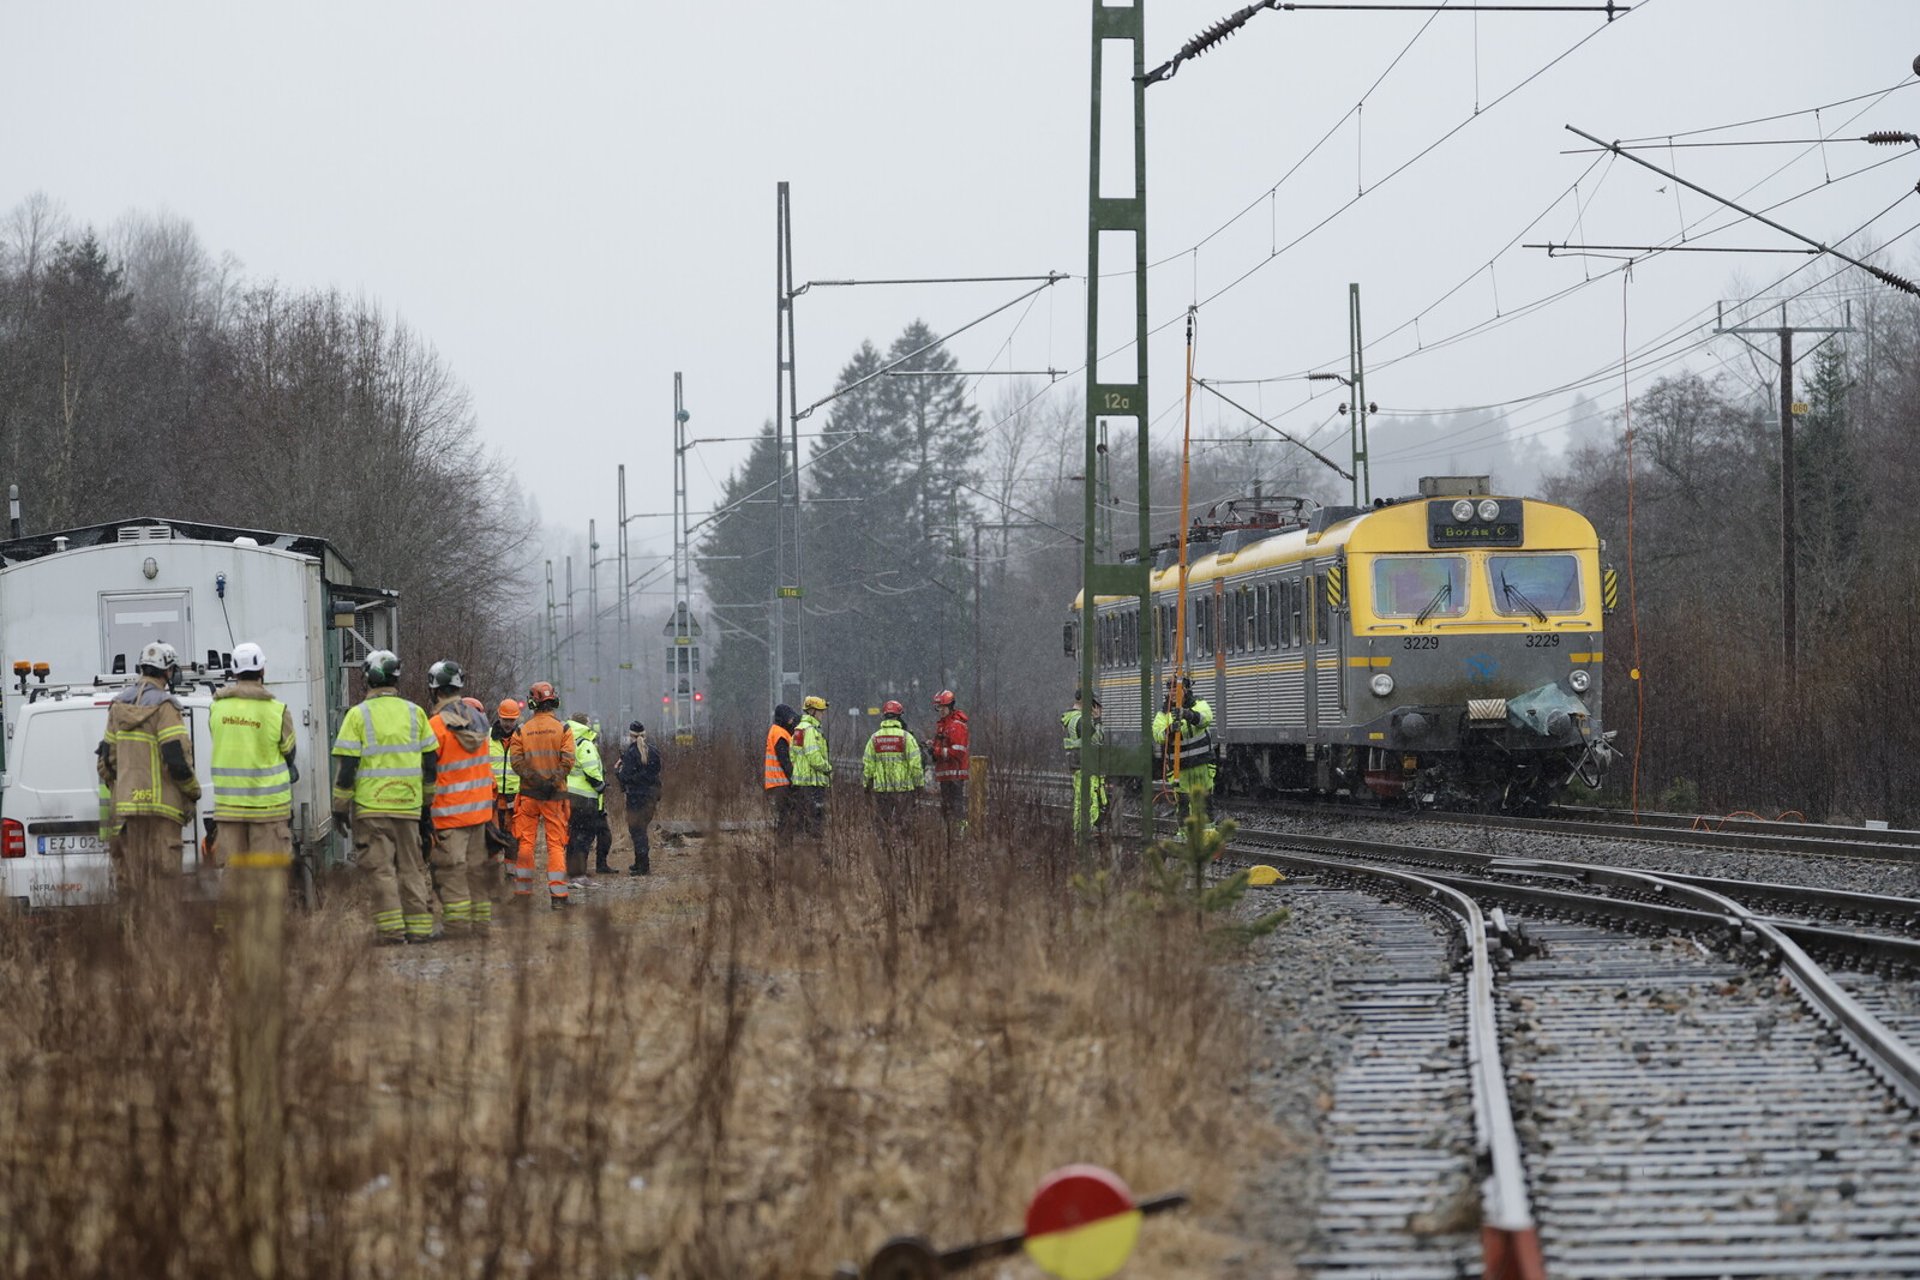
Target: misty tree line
pixel 139 375
pixel 1720 720
pixel 923 510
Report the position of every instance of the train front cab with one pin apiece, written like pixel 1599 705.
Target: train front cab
pixel 1474 652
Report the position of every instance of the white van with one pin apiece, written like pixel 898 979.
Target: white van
pixel 77 607
pixel 51 850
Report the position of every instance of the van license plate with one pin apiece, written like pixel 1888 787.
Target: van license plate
pixel 72 844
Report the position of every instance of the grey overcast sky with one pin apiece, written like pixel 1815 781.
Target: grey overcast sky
pixel 572 200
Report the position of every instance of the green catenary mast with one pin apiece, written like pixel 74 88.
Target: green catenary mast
pixel 1122 222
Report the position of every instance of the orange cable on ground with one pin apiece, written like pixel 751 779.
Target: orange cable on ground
pixel 1633 597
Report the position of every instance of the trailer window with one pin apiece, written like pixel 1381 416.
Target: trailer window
pixel 129 621
pixel 1408 586
pixel 1549 583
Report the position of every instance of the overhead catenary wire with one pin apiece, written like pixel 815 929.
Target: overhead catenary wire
pixel 1646 364
pixel 1230 25
pixel 1321 458
pixel 1401 168
pixel 891 365
pixel 1878 273
pixel 1878 138
pixel 1649 350
pixel 1782 115
pixel 1413 322
pixel 1481 327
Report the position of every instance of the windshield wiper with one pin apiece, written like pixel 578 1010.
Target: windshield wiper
pixel 1514 593
pixel 1440 597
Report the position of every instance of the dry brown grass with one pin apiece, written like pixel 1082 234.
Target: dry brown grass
pixel 763 1062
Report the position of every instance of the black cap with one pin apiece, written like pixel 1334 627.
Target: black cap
pixel 636 727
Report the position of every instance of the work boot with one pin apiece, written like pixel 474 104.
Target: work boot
pixel 601 868
pixel 642 865
pixel 558 904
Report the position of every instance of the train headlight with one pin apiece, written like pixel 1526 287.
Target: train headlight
pixel 1381 684
pixel 1581 681
pixel 1463 510
pixel 1489 509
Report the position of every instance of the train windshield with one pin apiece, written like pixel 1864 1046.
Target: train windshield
pixel 1420 587
pixel 1534 586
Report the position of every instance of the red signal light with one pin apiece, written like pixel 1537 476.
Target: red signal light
pixel 699 696
pixel 665 698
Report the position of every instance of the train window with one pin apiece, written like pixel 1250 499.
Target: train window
pixel 1260 606
pixel 1315 627
pixel 1201 608
pixel 1295 635
pixel 1417 586
pixel 1523 584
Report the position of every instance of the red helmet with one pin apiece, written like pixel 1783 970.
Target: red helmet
pixel 892 707
pixel 944 698
pixel 541 694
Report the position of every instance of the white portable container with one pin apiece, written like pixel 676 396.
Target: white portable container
pixel 77 607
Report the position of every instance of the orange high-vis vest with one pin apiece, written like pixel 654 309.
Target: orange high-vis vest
pixel 776 776
pixel 463 782
pixel 541 752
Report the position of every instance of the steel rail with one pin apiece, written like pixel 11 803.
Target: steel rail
pixel 1750 835
pixel 1509 1237
pixel 1733 822
pixel 1744 840
pixel 1878 947
pixel 1891 1058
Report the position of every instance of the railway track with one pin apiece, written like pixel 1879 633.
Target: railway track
pixel 1743 834
pixel 1694 1094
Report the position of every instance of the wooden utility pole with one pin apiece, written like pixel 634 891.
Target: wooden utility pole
pixel 1789 409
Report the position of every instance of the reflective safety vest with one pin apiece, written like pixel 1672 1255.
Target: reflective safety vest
pixel 586 764
pixel 542 754
pixel 109 827
pixel 892 760
pixel 1070 741
pixel 142 719
pixel 462 781
pixel 390 737
pixel 776 776
pixel 949 747
pixel 1196 743
pixel 251 781
pixel 505 781
pixel 811 767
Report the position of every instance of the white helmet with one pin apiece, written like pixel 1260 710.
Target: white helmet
pixel 248 659
pixel 159 656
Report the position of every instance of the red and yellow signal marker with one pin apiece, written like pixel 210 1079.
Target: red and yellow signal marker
pixel 1082 1223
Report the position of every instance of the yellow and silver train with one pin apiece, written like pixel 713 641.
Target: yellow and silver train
pixel 1443 648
